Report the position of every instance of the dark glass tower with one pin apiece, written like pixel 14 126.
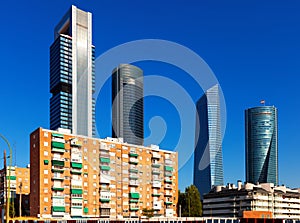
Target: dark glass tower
pixel 261 145
pixel 72 75
pixel 208 161
pixel 128 104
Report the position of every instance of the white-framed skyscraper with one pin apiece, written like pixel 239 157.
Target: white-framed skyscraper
pixel 72 74
pixel 208 159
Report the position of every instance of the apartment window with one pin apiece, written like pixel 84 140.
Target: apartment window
pixel 45 190
pixel 85 150
pixel 94 160
pixel 45 153
pixel 94 142
pixel 45 199
pixel 94 176
pixel 45 209
pixel 46 134
pixel 94 151
pixel 85 167
pixel 45 171
pixel 85 184
pixel 45 143
pixel 45 181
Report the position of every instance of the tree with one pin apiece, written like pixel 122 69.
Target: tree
pixel 189 202
pixel 149 213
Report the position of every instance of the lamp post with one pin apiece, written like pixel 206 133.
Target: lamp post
pixel 8 188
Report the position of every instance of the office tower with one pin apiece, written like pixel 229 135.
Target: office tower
pixel 261 145
pixel 208 164
pixel 72 75
pixel 128 104
pixel 81 177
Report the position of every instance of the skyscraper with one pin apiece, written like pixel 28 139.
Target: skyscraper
pixel 208 163
pixel 128 104
pixel 261 145
pixel 72 75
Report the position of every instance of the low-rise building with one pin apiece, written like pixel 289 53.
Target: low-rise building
pixel 231 201
pixel 76 176
pixel 18 180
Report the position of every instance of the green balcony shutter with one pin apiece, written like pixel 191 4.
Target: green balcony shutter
pixel 104 160
pixel 46 162
pixel 76 165
pixel 58 209
pixel 58 135
pixel 76 191
pixel 58 145
pixel 134 195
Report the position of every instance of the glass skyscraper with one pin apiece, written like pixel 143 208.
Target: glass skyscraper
pixel 261 145
pixel 72 74
pixel 128 104
pixel 208 161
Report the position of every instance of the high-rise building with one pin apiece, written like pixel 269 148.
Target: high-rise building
pixel 72 75
pixel 75 176
pixel 208 161
pixel 128 104
pixel 261 145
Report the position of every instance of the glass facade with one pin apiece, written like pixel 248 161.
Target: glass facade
pixel 261 145
pixel 72 74
pixel 128 104
pixel 208 160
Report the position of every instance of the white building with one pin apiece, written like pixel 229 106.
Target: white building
pixel 232 201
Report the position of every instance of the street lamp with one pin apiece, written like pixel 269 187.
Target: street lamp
pixel 8 188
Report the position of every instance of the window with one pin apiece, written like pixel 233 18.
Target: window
pixel 45 199
pixel 45 190
pixel 46 134
pixel 94 176
pixel 45 143
pixel 45 153
pixel 45 181
pixel 45 171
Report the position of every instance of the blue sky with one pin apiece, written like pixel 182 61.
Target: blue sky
pixel 252 47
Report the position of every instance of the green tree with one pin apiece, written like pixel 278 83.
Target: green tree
pixel 189 202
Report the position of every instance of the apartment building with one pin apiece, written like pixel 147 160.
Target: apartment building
pixel 19 180
pixel 76 176
pixel 273 201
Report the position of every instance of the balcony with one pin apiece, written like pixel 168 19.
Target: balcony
pixel 57 177
pixel 133 160
pixel 168 194
pixel 133 176
pixel 58 188
pixel 155 195
pixel 133 201
pixel 133 153
pixel 104 154
pixel 76 191
pixel 58 169
pixel 156 165
pixel 75 171
pixel 156 155
pixel 155 172
pixel 134 195
pixel 168 168
pixel 57 147
pixel 131 170
pixel 168 180
pixel 133 183
pixel 104 200
pixel 107 168
pixel 168 162
pixel 168 187
pixel 168 174
pixel 134 208
pixel 75 142
pixel 106 205
pixel 156 184
pixel 76 165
